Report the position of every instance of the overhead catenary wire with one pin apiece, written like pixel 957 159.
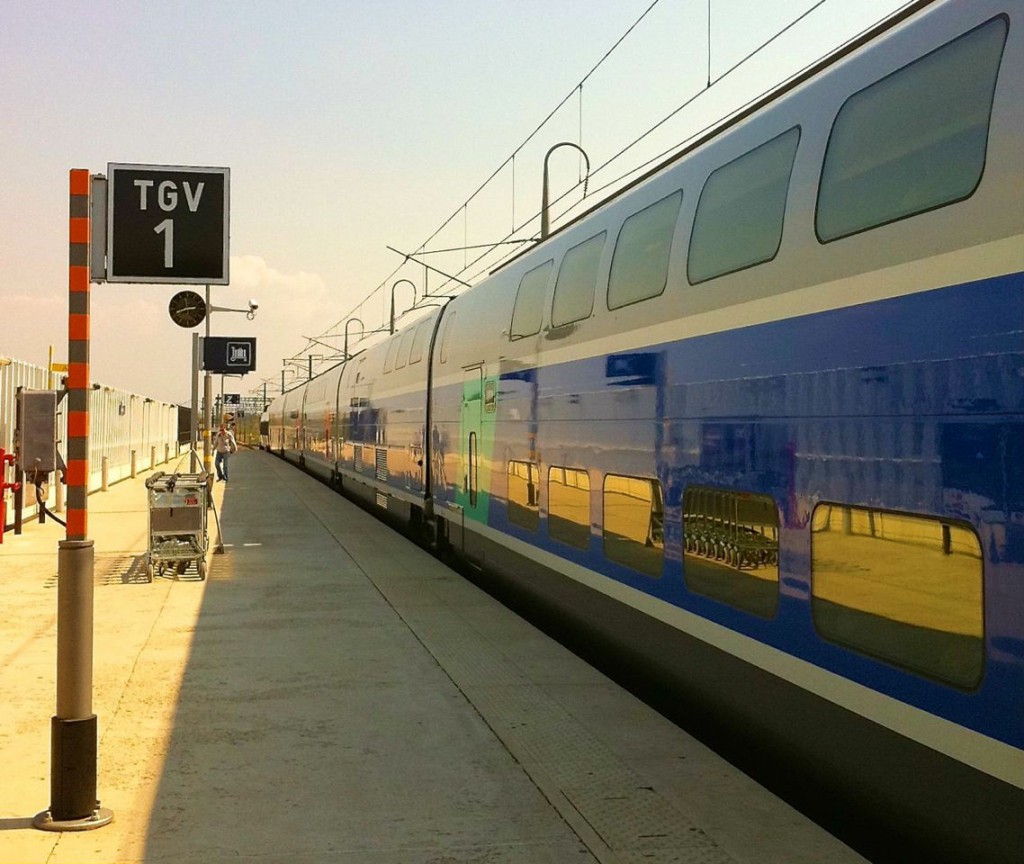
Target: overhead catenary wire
pixel 509 160
pixel 542 123
pixel 682 145
pixel 470 266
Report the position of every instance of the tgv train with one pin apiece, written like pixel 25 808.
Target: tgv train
pixel 757 424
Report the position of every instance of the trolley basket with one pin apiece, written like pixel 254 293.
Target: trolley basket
pixel 177 523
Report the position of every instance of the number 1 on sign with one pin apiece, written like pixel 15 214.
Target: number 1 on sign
pixel 167 229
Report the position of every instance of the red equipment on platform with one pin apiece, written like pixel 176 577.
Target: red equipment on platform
pixel 5 460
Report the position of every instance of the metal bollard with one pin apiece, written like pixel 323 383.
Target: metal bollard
pixel 105 474
pixel 167 452
pixel 73 729
pixel 152 458
pixel 133 464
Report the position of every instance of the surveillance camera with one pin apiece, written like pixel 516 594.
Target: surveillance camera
pixel 254 305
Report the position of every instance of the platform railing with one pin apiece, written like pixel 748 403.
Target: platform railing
pixel 127 431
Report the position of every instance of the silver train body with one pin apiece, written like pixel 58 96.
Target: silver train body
pixel 757 426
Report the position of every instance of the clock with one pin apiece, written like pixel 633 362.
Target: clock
pixel 187 309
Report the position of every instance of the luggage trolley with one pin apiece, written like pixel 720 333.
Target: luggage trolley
pixel 177 522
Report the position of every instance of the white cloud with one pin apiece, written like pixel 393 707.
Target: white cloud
pixel 135 345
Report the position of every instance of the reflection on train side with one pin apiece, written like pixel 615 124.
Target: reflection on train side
pixel 900 587
pixel 731 548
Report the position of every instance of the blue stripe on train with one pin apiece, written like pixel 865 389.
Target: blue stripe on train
pixel 916 400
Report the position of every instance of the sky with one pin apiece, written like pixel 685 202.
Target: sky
pixel 348 127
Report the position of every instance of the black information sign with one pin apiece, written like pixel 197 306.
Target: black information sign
pixel 232 355
pixel 167 223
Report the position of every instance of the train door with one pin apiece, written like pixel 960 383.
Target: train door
pixel 471 418
pixel 364 422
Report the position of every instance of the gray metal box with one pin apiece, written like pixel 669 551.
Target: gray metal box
pixel 37 450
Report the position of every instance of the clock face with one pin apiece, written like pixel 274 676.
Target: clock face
pixel 187 309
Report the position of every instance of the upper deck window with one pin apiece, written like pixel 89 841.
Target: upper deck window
pixel 577 279
pixel 389 358
pixel 913 141
pixel 446 336
pixel 403 349
pixel 640 262
pixel 739 216
pixel 419 341
pixel 528 313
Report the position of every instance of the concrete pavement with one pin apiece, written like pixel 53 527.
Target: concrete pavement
pixel 332 693
pixel 141 639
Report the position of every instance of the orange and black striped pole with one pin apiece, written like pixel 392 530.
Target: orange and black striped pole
pixel 73 730
pixel 78 357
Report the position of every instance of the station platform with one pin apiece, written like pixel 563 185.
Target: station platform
pixel 333 693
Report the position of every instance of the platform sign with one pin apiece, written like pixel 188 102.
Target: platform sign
pixel 167 223
pixel 229 355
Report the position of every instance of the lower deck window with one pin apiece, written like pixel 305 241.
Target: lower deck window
pixel 634 523
pixel 569 506
pixel 524 494
pixel 731 548
pixel 904 588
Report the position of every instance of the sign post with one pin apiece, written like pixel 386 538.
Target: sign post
pixel 73 729
pixel 162 224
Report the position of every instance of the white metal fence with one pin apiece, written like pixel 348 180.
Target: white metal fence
pixel 125 430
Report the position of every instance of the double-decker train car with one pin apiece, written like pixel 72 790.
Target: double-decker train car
pixel 756 425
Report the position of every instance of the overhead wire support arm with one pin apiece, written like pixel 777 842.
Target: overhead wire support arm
pixel 391 326
pixel 545 222
pixel 413 258
pixel 323 344
pixel 362 333
pixel 519 242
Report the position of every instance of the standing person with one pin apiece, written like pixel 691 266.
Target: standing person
pixel 225 445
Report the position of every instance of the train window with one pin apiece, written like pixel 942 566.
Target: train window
pixel 446 337
pixel 472 483
pixel 528 313
pixel 569 506
pixel 640 261
pixel 418 342
pixel 524 494
pixel 731 548
pixel 389 358
pixel 634 523
pixel 903 588
pixel 403 349
pixel 577 279
pixel 913 141
pixel 739 215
